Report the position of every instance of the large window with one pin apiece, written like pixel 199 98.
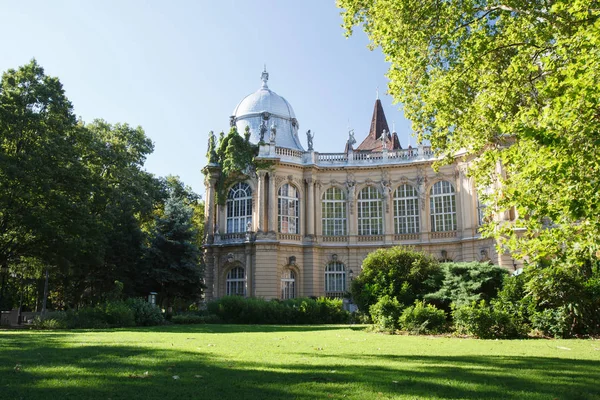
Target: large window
pixel 370 220
pixel 239 208
pixel 288 284
pixel 442 204
pixel 335 279
pixel 406 210
pixel 236 282
pixel 288 209
pixel 334 212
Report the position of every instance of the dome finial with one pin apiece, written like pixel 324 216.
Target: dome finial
pixel 265 77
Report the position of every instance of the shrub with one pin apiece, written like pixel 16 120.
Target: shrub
pixel 423 318
pixel 56 322
pixel 395 272
pixel 241 310
pixel 386 313
pixel 86 317
pixel 465 282
pixel 188 319
pixel 552 322
pixel 118 314
pixel 487 322
pixel 145 314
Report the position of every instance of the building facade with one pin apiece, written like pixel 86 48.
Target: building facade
pixel 303 226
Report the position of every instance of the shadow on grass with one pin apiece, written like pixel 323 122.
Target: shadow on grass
pixel 51 367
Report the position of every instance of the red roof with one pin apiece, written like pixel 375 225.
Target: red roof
pixel 378 124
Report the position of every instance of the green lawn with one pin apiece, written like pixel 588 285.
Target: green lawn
pixel 281 362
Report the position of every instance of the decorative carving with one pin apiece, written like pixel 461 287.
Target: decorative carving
pixel 309 138
pixel 309 181
pixel 294 122
pixel 318 183
pixel 279 180
pixel 230 257
pixel 232 120
pixel 334 257
pixel 265 116
pixel 292 260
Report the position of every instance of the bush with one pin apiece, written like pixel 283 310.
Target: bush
pixel 386 314
pixel 398 273
pixel 118 314
pixel 487 322
pixel 86 317
pixel 423 318
pixel 145 314
pixel 242 310
pixel 552 322
pixel 56 322
pixel 465 282
pixel 188 319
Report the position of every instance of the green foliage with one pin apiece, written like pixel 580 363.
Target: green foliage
pixel 118 313
pixel 188 319
pixel 386 313
pixel 174 256
pixel 487 322
pixel 423 318
pixel 236 158
pixel 467 282
pixel 55 322
pixel 242 310
pixel 145 314
pixel 512 84
pixel 402 274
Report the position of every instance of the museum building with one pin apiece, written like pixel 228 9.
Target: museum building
pixel 303 226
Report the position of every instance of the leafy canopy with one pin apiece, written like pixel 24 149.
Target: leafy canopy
pixel 511 83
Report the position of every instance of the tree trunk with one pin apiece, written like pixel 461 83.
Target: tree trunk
pixel 45 295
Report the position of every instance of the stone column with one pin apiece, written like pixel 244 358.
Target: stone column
pixel 260 201
pixel 209 210
pixel 318 209
pixel 249 272
pixel 272 203
pixel 310 208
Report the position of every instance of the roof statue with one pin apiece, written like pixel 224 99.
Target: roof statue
pixel 309 138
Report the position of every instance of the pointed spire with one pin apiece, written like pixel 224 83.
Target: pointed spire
pixel 264 77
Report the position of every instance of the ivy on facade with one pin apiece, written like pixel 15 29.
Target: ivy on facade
pixel 236 157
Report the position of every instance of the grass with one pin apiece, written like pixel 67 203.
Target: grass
pixel 282 362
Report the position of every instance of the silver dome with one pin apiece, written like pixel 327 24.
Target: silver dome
pixel 268 105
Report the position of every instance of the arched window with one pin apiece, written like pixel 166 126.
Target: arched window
pixel 239 207
pixel 288 209
pixel 334 212
pixel 288 285
pixel 335 279
pixel 406 210
pixel 236 282
pixel 442 207
pixel 370 214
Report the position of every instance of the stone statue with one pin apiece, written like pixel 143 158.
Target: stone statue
pixel 351 140
pixel 384 139
pixel 273 134
pixel 263 130
pixel 386 188
pixel 248 226
pixel 309 138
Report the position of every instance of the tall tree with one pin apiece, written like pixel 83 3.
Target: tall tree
pixel 511 83
pixel 43 181
pixel 174 256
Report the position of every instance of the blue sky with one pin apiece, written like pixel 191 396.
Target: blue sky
pixel 179 68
